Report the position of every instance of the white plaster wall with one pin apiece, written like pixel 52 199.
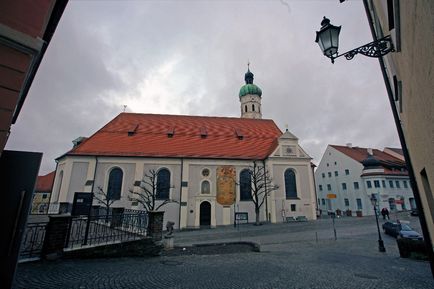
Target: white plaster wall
pixel 305 204
pixel 343 162
pixel 83 169
pixel 249 100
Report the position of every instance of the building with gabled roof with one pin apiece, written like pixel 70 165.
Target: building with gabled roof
pixel 201 164
pixel 41 196
pixel 347 176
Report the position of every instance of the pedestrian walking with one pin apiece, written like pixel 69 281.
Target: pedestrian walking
pixel 387 213
pixel 383 213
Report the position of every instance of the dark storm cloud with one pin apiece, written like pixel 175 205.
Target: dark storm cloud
pixel 189 57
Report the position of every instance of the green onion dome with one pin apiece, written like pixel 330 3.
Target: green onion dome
pixel 249 87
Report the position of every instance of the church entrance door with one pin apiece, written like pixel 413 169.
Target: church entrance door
pixel 205 214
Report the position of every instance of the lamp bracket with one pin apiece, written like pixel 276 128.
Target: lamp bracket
pixel 374 49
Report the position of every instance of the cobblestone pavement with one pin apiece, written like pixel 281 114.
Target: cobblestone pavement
pixel 349 262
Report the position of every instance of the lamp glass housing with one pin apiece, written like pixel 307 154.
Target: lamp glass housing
pixel 328 38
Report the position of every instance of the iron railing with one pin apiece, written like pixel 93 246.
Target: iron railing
pixel 103 229
pixel 33 240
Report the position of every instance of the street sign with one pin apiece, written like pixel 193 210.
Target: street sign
pixel 331 196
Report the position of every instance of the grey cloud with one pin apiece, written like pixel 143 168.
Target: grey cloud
pixel 103 49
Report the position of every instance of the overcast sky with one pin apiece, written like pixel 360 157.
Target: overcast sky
pixel 189 57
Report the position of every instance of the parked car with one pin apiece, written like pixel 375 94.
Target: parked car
pixel 395 229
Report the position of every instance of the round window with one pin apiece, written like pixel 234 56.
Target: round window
pixel 205 172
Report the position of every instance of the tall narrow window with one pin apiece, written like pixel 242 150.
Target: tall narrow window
pixel 163 184
pixel 356 185
pixel 245 185
pixel 290 184
pixel 390 14
pixel 359 204
pixel 115 184
pixel 205 187
pixel 245 108
pixel 253 107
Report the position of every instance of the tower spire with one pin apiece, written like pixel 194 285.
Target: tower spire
pixel 250 97
pixel 248 77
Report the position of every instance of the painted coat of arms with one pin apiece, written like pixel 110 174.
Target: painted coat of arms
pixel 226 189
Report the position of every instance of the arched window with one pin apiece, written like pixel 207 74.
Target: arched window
pixel 245 185
pixel 115 184
pixel 290 184
pixel 245 108
pixel 163 184
pixel 205 188
pixel 253 107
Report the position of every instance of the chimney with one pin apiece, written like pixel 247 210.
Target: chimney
pixel 78 141
pixel 350 145
pixel 370 152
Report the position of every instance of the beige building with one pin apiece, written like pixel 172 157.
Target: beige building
pixel 200 162
pixel 410 75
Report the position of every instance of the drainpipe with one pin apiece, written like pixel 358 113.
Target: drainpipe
pixel 94 173
pixel 266 197
pixel 405 152
pixel 86 233
pixel 52 186
pixel 180 194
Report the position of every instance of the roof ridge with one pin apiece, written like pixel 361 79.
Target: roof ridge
pixel 199 116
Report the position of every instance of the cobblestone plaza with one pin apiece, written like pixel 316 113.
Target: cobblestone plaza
pixel 290 257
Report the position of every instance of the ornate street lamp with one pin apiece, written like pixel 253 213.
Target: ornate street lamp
pixel 328 40
pixel 380 241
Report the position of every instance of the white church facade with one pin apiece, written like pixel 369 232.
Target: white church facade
pixel 193 156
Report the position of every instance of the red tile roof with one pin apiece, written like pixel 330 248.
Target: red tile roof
pixel 156 135
pixel 359 154
pixel 396 150
pixel 45 183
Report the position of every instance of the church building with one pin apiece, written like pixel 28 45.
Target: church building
pixel 201 164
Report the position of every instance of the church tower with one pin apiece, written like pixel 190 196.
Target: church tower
pixel 250 98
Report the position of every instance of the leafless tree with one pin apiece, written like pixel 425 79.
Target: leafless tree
pixel 147 195
pixel 261 186
pixel 104 198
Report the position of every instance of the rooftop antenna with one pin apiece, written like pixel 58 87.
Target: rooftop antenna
pixel 125 107
pixel 248 65
pixel 286 127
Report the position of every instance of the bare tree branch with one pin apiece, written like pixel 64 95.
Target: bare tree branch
pixel 147 195
pixel 261 186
